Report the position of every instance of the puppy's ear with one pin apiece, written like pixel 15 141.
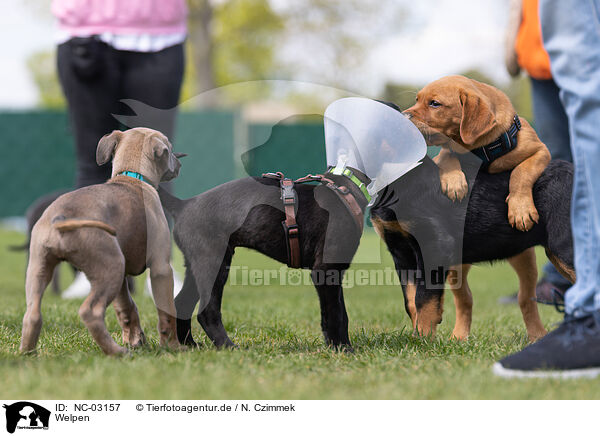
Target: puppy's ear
pixel 106 146
pixel 162 151
pixel 477 117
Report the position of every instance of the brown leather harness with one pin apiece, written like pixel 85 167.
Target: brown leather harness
pixel 290 207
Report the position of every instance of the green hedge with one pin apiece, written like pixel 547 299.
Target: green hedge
pixel 37 154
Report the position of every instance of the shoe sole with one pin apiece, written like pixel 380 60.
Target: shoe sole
pixel 501 371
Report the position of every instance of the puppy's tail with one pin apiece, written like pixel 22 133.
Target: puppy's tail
pixel 21 247
pixel 66 225
pixel 170 203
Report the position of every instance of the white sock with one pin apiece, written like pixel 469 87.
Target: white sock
pixel 80 288
pixel 177 283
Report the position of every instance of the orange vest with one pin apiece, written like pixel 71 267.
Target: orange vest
pixel 531 55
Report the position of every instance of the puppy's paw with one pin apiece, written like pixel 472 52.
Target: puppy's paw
pixel 536 334
pixel 118 351
pixel 174 345
pixel 522 213
pixel 454 185
pixel 460 333
pixel 138 339
pixel 133 336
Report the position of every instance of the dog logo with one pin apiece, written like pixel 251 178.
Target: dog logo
pixel 26 415
pixel 294 277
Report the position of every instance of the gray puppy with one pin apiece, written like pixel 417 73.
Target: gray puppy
pixel 109 231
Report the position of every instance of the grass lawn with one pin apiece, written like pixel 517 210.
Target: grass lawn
pixel 281 353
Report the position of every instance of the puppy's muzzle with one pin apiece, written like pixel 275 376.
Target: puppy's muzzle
pixel 174 167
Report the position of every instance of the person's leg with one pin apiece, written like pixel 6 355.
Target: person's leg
pixel 571 32
pixel 154 79
pixel 572 38
pixel 550 119
pixel 553 276
pixel 552 126
pixel 89 78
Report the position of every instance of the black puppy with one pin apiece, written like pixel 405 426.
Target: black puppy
pixel 249 213
pixel 427 233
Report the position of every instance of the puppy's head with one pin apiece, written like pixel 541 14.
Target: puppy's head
pixel 464 110
pixel 141 150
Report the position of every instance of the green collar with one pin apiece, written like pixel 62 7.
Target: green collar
pixel 134 175
pixel 348 173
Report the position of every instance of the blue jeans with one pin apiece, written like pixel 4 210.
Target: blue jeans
pixel 552 126
pixel 571 33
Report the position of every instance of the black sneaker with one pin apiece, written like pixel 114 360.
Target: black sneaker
pixel 570 351
pixel 546 292
pixel 549 293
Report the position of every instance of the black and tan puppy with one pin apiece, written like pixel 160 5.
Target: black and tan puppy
pixel 248 213
pixel 109 231
pixel 427 233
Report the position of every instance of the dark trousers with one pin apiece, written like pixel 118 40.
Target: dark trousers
pixel 552 126
pixel 550 117
pixel 95 77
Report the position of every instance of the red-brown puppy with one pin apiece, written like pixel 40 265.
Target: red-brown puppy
pixel 463 115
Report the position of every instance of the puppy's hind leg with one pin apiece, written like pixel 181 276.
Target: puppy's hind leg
pixel 210 317
pixel 39 273
pixel 105 268
pixel 128 317
pixel 334 318
pixel 463 300
pixel 56 281
pixel 525 266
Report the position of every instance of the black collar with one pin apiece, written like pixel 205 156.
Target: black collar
pixel 505 143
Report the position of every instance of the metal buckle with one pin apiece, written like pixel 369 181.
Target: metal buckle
pixel 485 154
pixel 509 140
pixel 338 171
pixel 287 192
pixel 293 231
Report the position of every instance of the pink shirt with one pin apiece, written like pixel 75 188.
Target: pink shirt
pixel 93 17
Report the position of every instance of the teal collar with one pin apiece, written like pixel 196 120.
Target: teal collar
pixel 134 175
pixel 348 173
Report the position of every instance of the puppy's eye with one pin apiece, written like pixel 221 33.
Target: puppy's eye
pixel 435 103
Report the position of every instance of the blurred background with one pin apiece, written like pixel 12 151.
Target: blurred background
pixel 303 53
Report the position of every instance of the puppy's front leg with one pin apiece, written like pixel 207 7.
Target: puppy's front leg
pixel 161 277
pixel 430 306
pixel 522 213
pixel 452 179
